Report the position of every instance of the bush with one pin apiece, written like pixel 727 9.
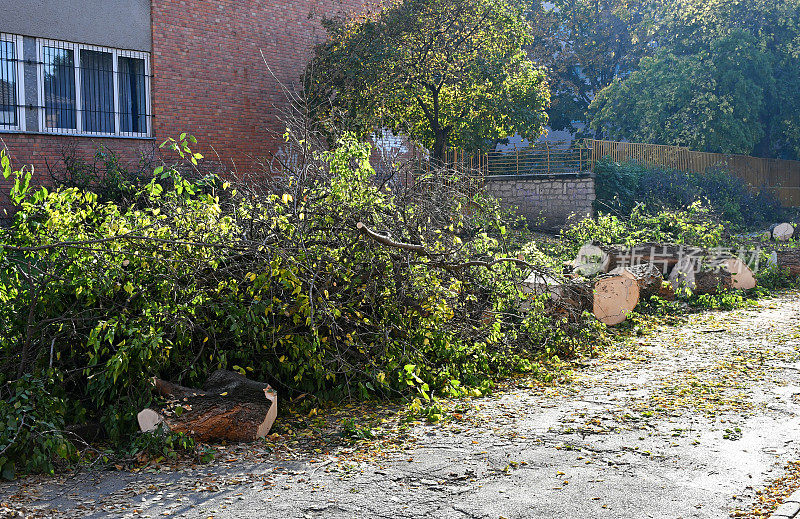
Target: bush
pixel 693 225
pixel 104 175
pixel 277 283
pixel 32 422
pixel 620 186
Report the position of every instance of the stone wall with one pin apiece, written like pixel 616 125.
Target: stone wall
pixel 546 201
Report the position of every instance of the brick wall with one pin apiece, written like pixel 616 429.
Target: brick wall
pixel 210 80
pixel 44 154
pixel 546 201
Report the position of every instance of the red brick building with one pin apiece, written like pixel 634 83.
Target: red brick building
pixel 127 74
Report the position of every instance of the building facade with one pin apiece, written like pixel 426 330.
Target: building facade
pixel 127 74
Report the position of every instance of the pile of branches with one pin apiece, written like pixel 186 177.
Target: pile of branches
pixel 322 279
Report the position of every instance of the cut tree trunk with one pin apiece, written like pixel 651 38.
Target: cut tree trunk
pixel 743 276
pixel 686 275
pixel 713 281
pixel 230 407
pixel 611 297
pixel 662 255
pixel 615 296
pixel 650 281
pixel 781 231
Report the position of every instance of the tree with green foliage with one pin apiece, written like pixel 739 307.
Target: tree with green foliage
pixel 709 101
pixel 725 77
pixel 585 45
pixel 445 73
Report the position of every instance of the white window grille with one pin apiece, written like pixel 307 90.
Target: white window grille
pixel 12 83
pixel 92 90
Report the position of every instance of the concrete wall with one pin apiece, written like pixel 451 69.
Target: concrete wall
pixel 546 201
pixel 123 24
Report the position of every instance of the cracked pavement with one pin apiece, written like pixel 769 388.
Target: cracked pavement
pixel 686 422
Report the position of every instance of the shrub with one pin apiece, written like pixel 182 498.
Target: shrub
pixel 620 186
pixel 693 225
pixel 104 175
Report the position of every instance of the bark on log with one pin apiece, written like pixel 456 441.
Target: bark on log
pixel 681 277
pixel 686 275
pixel 231 407
pixel 788 259
pixel 713 281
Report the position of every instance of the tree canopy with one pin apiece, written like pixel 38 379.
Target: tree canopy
pixel 444 72
pixel 717 75
pixel 584 44
pixel 711 100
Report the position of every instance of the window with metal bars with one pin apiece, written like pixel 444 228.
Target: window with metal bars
pixel 86 89
pixel 11 83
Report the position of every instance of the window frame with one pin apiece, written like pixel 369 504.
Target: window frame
pixel 19 52
pixel 76 48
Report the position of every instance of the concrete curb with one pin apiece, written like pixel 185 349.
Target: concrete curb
pixel 790 507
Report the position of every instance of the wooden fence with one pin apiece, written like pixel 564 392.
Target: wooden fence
pixel 779 176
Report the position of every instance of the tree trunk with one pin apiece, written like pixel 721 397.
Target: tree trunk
pixel 650 281
pixel 231 407
pixel 439 145
pixel 713 281
pixel 743 277
pixel 615 296
pixel 595 257
pixel 789 259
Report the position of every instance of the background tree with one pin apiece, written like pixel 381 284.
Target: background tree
pixel 585 45
pixel 709 101
pixel 749 96
pixel 444 72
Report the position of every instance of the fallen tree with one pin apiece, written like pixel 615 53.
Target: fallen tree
pixel 679 263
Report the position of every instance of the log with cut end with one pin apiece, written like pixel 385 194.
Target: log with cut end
pixel 615 296
pixel 781 231
pixel 743 277
pixel 599 258
pixel 713 281
pixel 230 407
pixel 699 278
pixel 611 297
pixel 650 281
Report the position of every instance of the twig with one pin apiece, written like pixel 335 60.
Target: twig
pixel 419 249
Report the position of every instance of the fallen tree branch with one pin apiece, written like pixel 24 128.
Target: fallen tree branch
pixel 419 249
